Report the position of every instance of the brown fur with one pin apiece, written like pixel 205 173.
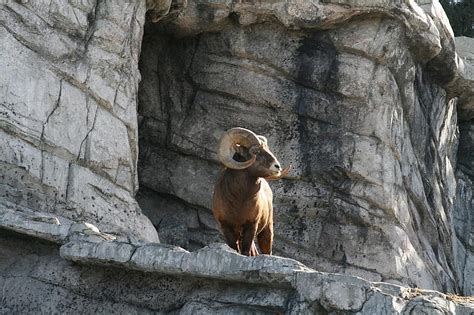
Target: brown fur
pixel 243 204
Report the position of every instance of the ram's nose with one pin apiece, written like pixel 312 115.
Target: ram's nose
pixel 276 167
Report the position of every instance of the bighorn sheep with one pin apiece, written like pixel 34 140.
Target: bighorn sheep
pixel 243 201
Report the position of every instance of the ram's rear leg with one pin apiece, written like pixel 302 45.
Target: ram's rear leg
pixel 265 240
pixel 231 236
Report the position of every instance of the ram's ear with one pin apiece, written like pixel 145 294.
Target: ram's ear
pixel 263 140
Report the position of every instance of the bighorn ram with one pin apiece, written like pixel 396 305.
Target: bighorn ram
pixel 243 201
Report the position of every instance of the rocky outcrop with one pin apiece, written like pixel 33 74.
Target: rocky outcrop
pixel 68 128
pixel 358 98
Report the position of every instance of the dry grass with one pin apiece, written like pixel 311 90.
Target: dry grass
pixel 411 293
pixel 460 299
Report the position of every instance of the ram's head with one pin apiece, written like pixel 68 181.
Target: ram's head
pixel 240 148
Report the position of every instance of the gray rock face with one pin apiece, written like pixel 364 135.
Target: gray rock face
pixel 365 121
pixel 68 130
pixel 463 86
pixel 463 210
pixel 464 229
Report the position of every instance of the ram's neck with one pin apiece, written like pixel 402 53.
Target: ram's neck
pixel 240 184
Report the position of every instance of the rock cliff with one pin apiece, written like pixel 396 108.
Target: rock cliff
pixel 363 101
pixel 464 204
pixel 104 103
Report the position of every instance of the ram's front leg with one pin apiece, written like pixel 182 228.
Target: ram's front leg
pixel 231 236
pixel 253 250
pixel 248 236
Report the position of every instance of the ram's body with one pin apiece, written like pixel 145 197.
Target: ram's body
pixel 243 206
pixel 243 200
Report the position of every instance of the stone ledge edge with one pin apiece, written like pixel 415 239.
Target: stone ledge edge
pixel 83 243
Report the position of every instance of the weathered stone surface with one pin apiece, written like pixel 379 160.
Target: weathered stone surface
pixel 49 227
pixel 464 47
pixel 463 87
pixel 463 218
pixel 262 284
pixel 178 223
pixel 68 127
pixel 41 225
pixel 463 210
pixel 373 158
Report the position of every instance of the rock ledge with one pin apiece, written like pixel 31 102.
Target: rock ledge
pixel 334 292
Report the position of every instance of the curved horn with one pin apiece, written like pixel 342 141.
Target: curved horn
pixel 241 136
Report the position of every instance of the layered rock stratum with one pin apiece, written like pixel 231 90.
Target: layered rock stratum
pixel 105 103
